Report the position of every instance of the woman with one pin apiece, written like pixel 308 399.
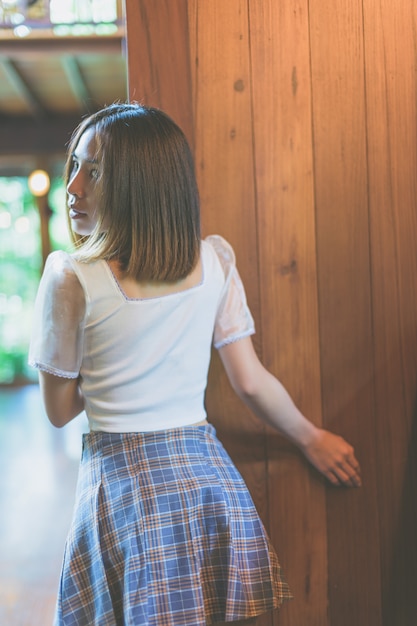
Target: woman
pixel 164 529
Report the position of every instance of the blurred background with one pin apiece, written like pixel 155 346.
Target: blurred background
pixel 59 60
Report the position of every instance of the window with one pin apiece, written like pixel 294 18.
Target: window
pixel 62 17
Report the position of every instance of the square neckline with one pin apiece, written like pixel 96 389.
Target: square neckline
pixel 127 298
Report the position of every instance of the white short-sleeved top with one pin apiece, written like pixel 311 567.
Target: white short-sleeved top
pixel 143 363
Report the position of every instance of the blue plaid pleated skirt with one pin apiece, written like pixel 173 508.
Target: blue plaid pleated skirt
pixel 164 533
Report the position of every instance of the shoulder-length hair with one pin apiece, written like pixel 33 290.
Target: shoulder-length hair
pixel 148 213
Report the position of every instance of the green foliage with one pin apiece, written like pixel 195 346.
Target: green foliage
pixel 21 267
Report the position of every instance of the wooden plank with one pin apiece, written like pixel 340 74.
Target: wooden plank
pixel 224 159
pixel 342 223
pixel 36 47
pixel 192 13
pixel 285 213
pixel 392 157
pixel 158 58
pixel 224 147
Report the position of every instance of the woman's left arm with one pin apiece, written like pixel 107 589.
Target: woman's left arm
pixel 266 396
pixel 57 338
pixel 62 398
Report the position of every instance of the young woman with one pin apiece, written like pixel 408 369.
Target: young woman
pixel 164 531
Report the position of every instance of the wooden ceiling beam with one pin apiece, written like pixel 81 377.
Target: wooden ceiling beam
pixel 76 81
pixel 41 47
pixel 23 88
pixel 23 135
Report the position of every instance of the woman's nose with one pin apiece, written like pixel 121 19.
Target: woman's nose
pixel 75 185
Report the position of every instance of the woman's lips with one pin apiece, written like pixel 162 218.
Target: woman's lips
pixel 74 214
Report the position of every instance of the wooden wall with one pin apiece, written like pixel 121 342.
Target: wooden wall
pixel 303 118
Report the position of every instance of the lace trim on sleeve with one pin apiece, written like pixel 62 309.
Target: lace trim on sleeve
pixel 234 320
pixel 229 340
pixel 52 370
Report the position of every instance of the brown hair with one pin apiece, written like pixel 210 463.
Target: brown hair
pixel 149 213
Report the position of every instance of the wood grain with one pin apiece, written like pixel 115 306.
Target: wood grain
pixel 224 163
pixel 392 161
pixel 304 118
pixel 345 306
pixel 286 234
pixel 158 58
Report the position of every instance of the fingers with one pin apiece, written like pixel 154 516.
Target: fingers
pixel 345 477
pixel 335 458
pixel 346 472
pixel 337 461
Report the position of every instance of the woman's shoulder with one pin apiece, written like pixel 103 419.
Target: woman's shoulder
pixel 223 250
pixel 68 265
pixel 64 272
pixel 59 278
pixel 59 266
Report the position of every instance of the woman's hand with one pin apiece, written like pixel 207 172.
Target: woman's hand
pixel 334 457
pixel 269 400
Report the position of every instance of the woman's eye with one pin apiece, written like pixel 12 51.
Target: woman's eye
pixel 74 166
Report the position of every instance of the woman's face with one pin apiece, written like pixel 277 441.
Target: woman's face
pixel 82 188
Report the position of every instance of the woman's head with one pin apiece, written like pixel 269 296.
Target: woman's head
pixel 132 192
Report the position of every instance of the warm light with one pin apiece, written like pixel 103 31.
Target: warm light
pixel 22 31
pixel 39 183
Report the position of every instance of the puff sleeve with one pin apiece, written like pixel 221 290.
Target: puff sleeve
pixel 57 336
pixel 233 320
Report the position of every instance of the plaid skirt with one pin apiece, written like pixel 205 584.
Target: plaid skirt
pixel 164 533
